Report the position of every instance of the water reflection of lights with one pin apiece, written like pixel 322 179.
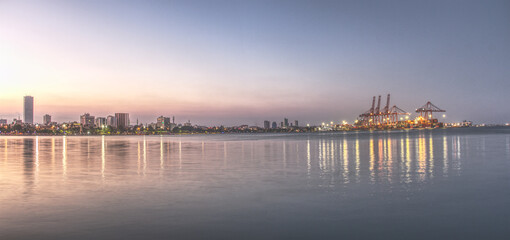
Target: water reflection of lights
pixel 53 153
pixel 5 150
pixel 308 158
pixel 138 163
pixel 103 156
pixel 346 161
pixel 445 156
pixel 380 155
pixel 284 155
pixel 408 161
pixel 431 156
pixel 422 157
pixel 331 155
pixel 144 155
pixel 400 157
pixel 357 168
pixel 64 155
pixel 162 154
pixel 203 150
pixel 389 164
pixel 320 155
pixel 224 153
pixel 372 159
pixel 456 165
pixel 36 159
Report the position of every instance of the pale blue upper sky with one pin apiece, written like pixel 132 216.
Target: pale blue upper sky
pixel 238 62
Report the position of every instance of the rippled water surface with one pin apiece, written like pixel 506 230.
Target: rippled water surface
pixel 418 184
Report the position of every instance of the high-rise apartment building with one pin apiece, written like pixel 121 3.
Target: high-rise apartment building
pixel 122 120
pixel 28 109
pixel 163 122
pixel 46 119
pixel 274 125
pixel 266 124
pixel 100 122
pixel 111 121
pixel 285 122
pixel 86 120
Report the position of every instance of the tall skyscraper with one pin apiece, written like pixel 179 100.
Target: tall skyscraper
pixel 122 120
pixel 266 124
pixel 296 123
pixel 285 122
pixel 274 125
pixel 46 119
pixel 28 109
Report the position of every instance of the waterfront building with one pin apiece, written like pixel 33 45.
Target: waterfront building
pixel 266 124
pixel 163 122
pixel 285 122
pixel 111 121
pixel 3 121
pixel 46 119
pixel 122 120
pixel 274 125
pixel 296 123
pixel 87 120
pixel 28 109
pixel 100 122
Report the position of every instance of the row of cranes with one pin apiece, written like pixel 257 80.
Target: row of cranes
pixel 395 116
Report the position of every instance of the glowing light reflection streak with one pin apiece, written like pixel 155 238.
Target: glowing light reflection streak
pixel 103 157
pixel 346 162
pixel 372 159
pixel 445 156
pixel 64 156
pixel 431 156
pixel 308 159
pixel 357 160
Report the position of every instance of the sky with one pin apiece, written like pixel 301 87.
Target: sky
pixel 243 62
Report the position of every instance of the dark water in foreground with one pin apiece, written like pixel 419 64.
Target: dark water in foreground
pixel 419 184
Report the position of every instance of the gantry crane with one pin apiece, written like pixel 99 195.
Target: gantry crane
pixel 426 111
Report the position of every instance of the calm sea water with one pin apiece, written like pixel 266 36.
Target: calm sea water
pixel 418 184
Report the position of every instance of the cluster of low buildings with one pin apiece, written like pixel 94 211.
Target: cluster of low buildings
pixel 119 120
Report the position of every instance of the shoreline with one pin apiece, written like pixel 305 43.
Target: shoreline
pixel 248 133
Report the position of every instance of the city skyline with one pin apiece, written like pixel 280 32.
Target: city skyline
pixel 243 62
